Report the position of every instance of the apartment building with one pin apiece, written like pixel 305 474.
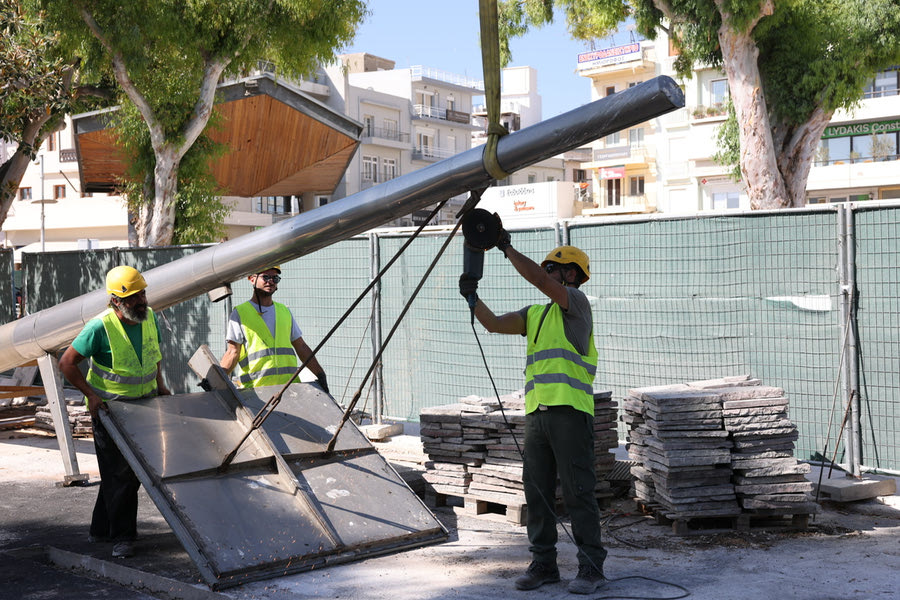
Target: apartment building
pixel 412 117
pixel 857 158
pixel 52 211
pixel 666 164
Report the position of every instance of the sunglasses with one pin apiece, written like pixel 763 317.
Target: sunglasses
pixel 271 278
pixel 551 267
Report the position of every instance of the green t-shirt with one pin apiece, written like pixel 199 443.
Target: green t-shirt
pixel 93 342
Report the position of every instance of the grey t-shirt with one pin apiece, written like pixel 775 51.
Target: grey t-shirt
pixel 578 321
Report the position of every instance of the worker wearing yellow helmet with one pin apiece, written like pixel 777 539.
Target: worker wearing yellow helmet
pixel 122 344
pixel 263 338
pixel 561 361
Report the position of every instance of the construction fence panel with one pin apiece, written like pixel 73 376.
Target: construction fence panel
pixel 7 286
pixel 679 300
pixel 877 233
pixel 434 356
pixel 319 288
pixel 54 277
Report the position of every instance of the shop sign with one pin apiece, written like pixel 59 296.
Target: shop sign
pixel 609 56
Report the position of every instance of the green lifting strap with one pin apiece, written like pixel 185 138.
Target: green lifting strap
pixel 490 61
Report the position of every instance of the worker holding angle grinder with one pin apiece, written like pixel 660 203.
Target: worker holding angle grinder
pixel 561 361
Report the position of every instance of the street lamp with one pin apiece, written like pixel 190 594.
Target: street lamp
pixel 42 201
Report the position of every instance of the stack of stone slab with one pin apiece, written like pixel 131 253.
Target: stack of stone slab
pixel 768 479
pixel 715 448
pixel 475 449
pixel 683 452
pixel 79 417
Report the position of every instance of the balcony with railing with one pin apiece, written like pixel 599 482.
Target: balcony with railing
pixel 418 72
pixel 621 205
pixel 369 180
pixel 423 111
pixel 68 155
pixel 370 134
pixel 431 154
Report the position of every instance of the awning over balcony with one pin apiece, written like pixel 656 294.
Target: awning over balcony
pixel 281 142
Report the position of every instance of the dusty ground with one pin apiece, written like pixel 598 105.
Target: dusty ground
pixel 849 551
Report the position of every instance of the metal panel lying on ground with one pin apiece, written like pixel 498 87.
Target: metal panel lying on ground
pixel 283 505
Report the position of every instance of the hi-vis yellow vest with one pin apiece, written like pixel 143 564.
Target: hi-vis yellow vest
pixel 266 360
pixel 129 377
pixel 555 372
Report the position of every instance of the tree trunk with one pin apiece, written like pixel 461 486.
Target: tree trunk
pixel 12 171
pixel 759 167
pixel 162 214
pixel 796 156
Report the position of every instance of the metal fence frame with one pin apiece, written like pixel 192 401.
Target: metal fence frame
pixel 805 299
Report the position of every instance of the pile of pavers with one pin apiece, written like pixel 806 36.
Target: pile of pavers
pixel 716 448
pixel 474 448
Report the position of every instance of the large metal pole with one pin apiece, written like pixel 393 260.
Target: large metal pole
pixel 50 329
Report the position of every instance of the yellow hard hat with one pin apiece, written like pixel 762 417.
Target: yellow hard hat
pixel 276 267
pixel 123 281
pixel 565 255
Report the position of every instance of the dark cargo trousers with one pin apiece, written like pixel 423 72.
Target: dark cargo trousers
pixel 115 511
pixel 560 440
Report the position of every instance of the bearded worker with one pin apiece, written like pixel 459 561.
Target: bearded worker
pixel 123 345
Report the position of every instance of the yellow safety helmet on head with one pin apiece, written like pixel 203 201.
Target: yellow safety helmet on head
pixel 565 255
pixel 124 281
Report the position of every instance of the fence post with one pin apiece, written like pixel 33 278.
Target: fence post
pixel 850 360
pixel 377 382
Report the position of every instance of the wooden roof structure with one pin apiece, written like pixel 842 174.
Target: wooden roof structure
pixel 281 142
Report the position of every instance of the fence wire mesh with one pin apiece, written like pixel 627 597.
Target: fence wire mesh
pixel 675 300
pixel 878 321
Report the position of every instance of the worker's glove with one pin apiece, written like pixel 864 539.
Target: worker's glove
pixel 323 382
pixel 468 286
pixel 503 240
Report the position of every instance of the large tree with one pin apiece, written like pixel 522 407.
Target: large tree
pixel 790 64
pixel 168 56
pixel 35 93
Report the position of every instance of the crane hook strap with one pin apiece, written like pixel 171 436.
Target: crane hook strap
pixel 490 62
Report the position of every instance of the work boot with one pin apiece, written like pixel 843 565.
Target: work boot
pixel 123 549
pixel 587 581
pixel 538 574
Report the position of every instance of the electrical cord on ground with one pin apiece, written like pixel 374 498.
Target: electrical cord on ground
pixel 546 502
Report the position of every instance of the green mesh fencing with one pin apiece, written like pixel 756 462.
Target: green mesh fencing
pixel 878 317
pixel 675 299
pixel 699 298
pixel 55 277
pixel 7 290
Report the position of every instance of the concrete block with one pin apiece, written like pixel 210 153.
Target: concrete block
pixel 382 431
pixel 849 489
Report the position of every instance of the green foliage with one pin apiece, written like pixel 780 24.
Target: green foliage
pixel 586 19
pixel 729 144
pixel 199 212
pixel 33 79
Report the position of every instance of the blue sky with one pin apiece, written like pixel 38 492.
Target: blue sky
pixel 445 35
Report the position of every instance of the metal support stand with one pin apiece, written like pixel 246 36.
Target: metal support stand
pixel 850 362
pixel 377 381
pixel 53 388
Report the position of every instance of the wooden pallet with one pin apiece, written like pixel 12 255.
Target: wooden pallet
pixel 762 520
pixel 493 509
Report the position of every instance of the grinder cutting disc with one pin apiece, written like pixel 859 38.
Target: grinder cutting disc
pixel 481 229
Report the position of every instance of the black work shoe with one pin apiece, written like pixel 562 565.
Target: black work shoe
pixel 587 581
pixel 538 574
